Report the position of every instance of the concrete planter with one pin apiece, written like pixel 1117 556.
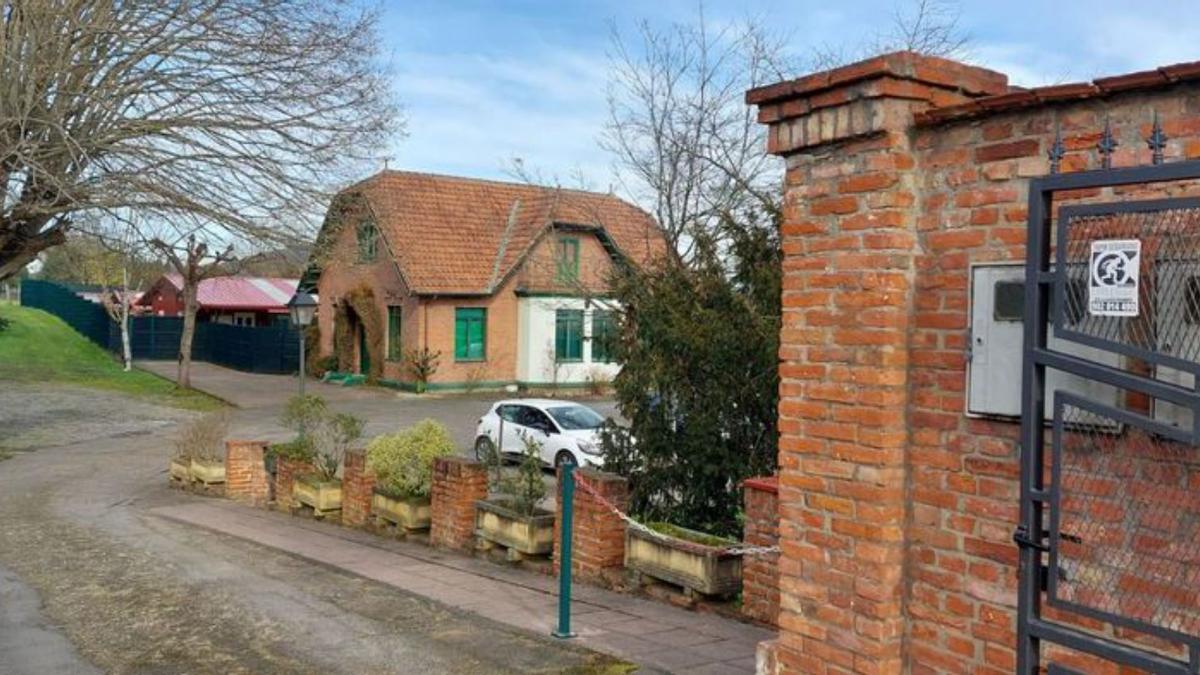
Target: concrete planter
pixel 321 496
pixel 180 470
pixel 206 471
pixel 696 567
pixel 497 522
pixel 411 514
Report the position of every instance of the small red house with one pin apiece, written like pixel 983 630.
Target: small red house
pixel 240 301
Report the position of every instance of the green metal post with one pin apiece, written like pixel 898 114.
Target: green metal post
pixel 564 552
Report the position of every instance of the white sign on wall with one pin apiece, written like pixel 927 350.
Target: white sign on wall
pixel 1113 277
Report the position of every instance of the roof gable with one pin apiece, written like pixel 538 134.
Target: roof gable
pixel 453 235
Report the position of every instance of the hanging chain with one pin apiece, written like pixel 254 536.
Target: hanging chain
pixel 728 550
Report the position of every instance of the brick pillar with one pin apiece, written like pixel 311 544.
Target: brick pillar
pixel 598 537
pixel 358 484
pixel 760 573
pixel 246 478
pixel 850 256
pixel 286 472
pixel 458 483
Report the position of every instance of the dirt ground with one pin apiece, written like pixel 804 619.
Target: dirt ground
pixel 90 581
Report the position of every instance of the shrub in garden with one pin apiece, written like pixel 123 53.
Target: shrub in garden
pixel 422 363
pixel 525 488
pixel 699 383
pixel 403 462
pixel 203 438
pixel 322 436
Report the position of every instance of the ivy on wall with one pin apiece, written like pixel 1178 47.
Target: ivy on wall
pixel 361 301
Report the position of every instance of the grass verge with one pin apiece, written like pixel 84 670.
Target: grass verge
pixel 39 347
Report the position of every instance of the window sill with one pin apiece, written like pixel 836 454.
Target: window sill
pixel 568 361
pixel 458 360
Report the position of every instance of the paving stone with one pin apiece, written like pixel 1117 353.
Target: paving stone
pixel 640 630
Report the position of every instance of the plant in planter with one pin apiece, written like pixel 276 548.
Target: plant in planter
pixel 698 562
pixel 328 441
pixel 199 450
pixel 403 466
pixel 322 438
pixel 422 363
pixel 512 518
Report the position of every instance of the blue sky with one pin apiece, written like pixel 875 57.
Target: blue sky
pixel 484 82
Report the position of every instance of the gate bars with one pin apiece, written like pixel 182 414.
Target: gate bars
pixel 1047 281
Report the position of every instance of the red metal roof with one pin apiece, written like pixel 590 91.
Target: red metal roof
pixel 251 294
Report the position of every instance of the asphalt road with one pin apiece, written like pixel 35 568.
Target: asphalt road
pixel 91 581
pixel 260 399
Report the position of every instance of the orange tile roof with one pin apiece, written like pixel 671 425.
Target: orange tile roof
pixel 464 235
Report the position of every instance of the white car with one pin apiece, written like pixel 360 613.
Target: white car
pixel 563 430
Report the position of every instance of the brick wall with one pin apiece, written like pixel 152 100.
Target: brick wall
pixel 598 534
pixel 286 473
pixel 358 484
pixel 897 509
pixel 246 478
pixel 760 573
pixel 457 484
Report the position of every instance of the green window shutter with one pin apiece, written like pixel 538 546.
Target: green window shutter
pixel 470 334
pixel 604 332
pixel 367 238
pixel 394 345
pixel 567 260
pixel 568 334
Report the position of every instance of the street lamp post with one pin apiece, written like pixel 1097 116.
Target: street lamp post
pixel 302 307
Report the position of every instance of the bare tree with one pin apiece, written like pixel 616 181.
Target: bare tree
pixel 118 301
pixel 193 260
pixel 926 27
pixel 234 115
pixel 685 144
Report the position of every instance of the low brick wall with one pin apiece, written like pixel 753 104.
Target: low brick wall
pixel 598 534
pixel 457 484
pixel 286 472
pixel 246 478
pixel 358 483
pixel 760 573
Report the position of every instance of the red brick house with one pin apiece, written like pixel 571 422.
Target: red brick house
pixel 239 301
pixel 506 281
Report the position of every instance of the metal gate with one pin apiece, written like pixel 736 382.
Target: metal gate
pixel 1109 530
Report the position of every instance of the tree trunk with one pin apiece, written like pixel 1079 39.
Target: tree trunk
pixel 184 376
pixel 126 348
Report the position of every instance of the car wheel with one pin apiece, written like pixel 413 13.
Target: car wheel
pixel 484 449
pixel 563 457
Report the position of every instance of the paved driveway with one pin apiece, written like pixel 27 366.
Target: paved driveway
pixel 92 581
pixel 260 398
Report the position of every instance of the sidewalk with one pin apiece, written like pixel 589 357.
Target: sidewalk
pixel 645 632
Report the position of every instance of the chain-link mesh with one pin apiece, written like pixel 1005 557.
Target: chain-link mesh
pixel 1128 534
pixel 1169 288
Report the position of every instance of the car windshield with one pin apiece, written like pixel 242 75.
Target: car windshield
pixel 575 417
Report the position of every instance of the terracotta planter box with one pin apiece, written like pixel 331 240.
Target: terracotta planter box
pixel 321 496
pixel 207 471
pixel 181 470
pixel 411 514
pixel 695 567
pixel 496 522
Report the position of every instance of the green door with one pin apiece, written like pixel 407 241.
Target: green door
pixel 364 354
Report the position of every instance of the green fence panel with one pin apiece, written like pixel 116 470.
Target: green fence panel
pixel 271 349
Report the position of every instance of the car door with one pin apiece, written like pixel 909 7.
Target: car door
pixel 510 428
pixel 536 423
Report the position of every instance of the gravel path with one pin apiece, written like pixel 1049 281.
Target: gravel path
pixel 98 581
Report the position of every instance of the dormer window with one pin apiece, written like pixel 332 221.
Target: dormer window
pixel 367 239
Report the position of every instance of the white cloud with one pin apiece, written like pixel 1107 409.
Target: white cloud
pixel 470 114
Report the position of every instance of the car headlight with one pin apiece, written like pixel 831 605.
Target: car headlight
pixel 589 447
